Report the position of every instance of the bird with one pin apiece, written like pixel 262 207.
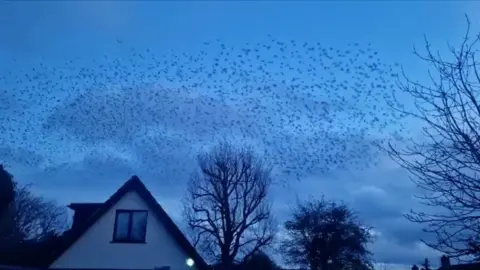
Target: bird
pixel 307 108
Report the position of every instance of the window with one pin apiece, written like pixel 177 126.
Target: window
pixel 130 226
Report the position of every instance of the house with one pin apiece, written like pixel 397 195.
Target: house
pixel 445 265
pixel 128 231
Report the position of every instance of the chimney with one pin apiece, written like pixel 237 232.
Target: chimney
pixel 445 262
pixel 83 211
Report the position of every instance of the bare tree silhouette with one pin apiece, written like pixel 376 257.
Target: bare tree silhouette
pixel 227 207
pixel 445 163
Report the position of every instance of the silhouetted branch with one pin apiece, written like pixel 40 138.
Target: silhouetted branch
pixel 31 217
pixel 445 163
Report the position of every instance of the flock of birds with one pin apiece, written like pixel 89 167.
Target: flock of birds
pixel 303 107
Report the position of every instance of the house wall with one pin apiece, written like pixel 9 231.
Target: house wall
pixel 160 248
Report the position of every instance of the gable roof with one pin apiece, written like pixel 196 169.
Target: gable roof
pixel 134 184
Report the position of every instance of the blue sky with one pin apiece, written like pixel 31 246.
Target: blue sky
pixel 67 160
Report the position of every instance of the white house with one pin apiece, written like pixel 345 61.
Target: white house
pixel 128 231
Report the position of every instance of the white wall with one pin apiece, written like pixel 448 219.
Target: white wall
pixel 94 250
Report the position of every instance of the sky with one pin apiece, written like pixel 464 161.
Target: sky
pixel 93 92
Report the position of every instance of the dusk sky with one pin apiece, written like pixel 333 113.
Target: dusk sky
pixel 78 135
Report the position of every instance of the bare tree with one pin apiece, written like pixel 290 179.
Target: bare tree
pixel 32 217
pixel 227 207
pixel 37 217
pixel 30 228
pixel 324 235
pixel 445 163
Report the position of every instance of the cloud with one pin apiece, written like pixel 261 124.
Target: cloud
pixel 376 204
pixel 384 196
pixel 390 252
pixel 95 170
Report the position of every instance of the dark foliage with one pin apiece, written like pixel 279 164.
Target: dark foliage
pixel 6 190
pixel 258 261
pixel 31 253
pixel 323 235
pixel 426 264
pixel 30 228
pixel 227 207
pixel 31 217
pixel 445 162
